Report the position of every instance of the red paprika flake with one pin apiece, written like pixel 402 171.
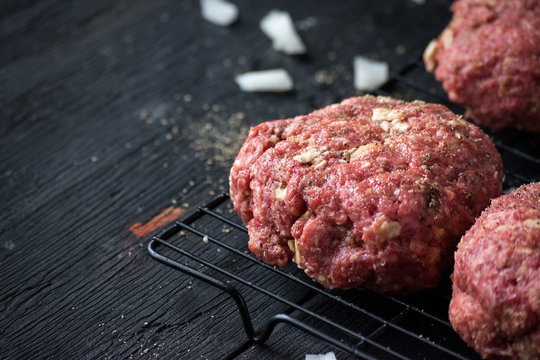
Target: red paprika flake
pixel 164 217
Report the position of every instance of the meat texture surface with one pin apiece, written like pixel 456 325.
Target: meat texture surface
pixel 372 191
pixel 488 59
pixel 495 303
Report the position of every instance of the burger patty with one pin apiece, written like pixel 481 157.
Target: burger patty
pixel 488 59
pixel 495 304
pixel 372 191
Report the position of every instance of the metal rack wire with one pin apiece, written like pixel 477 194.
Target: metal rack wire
pixel 392 328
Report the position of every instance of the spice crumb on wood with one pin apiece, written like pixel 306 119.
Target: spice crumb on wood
pixel 163 218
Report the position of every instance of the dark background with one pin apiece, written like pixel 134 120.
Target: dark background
pixel 113 110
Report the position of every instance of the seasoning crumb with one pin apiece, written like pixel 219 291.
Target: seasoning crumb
pixel 219 145
pixel 169 136
pixel 400 49
pixel 205 239
pixel 93 159
pixel 188 98
pixel 323 77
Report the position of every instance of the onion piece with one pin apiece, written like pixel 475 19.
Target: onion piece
pixel 219 12
pixel 369 74
pixel 273 80
pixel 279 27
pixel 328 356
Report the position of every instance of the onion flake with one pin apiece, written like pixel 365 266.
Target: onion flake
pixel 369 74
pixel 219 12
pixel 273 80
pixel 279 27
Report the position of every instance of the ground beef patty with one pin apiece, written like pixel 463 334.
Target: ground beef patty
pixel 495 304
pixel 488 59
pixel 372 191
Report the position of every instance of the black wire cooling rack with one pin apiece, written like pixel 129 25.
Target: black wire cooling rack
pixel 357 322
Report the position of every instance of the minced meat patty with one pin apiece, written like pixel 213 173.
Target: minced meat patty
pixel 495 303
pixel 372 191
pixel 488 59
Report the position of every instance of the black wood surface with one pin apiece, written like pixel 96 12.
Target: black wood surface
pixel 113 110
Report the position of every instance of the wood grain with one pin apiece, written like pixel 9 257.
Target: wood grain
pixel 111 111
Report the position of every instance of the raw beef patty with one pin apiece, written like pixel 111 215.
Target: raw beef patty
pixel 495 303
pixel 488 59
pixel 372 191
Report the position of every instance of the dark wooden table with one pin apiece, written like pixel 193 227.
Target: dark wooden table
pixel 114 111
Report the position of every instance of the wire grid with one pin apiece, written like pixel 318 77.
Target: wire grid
pixel 410 331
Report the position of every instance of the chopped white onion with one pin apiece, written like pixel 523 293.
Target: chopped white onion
pixel 327 356
pixel 274 80
pixel 279 27
pixel 219 12
pixel 369 74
